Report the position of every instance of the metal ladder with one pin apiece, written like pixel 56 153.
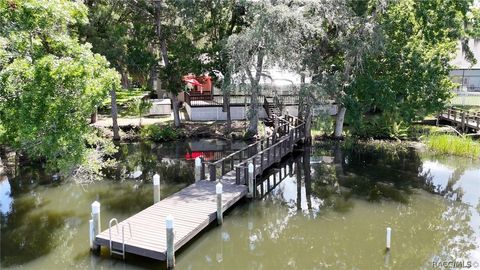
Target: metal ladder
pixel 117 252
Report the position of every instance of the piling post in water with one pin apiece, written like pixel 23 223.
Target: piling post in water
pixel 96 225
pixel 170 243
pixel 156 188
pixel 219 191
pixel 389 237
pixel 251 180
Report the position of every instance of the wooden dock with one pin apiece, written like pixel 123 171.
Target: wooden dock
pixel 465 120
pixel 195 207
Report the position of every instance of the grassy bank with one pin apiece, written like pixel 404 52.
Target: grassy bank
pixel 453 145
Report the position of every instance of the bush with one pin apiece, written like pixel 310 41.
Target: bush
pixel 157 134
pixel 454 145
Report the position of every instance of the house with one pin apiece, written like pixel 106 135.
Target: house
pixel 466 75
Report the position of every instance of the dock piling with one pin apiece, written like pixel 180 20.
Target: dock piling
pixel 96 224
pixel 389 237
pixel 170 243
pixel 156 188
pixel 251 180
pixel 219 191
pixel 198 169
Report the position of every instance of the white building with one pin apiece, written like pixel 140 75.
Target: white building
pixel 466 75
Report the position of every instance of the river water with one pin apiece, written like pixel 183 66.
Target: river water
pixel 325 207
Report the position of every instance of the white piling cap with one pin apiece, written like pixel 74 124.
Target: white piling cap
pixel 219 188
pixel 156 179
pixel 198 162
pixel 250 168
pixel 169 222
pixel 95 207
pixel 389 230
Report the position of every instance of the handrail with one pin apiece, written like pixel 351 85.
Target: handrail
pixel 286 128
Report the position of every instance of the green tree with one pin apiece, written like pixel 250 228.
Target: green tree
pixel 408 78
pixel 49 81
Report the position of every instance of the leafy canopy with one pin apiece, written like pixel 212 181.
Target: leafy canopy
pixel 49 82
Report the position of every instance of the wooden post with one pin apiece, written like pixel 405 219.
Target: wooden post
pixel 156 188
pixel 251 180
pixel 170 243
pixel 96 225
pixel 261 162
pixel 223 167
pixel 268 142
pixel 218 189
pixel 274 154
pixel 232 163
pixel 213 172
pixel 245 175
pixel 463 120
pixel 198 169
pixel 268 157
pixel 237 175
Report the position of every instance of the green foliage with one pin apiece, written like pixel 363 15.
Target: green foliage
pixel 453 145
pixel 158 133
pixel 408 79
pixel 124 34
pixel 49 82
pixel 125 96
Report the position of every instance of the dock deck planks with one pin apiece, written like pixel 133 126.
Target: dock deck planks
pixel 193 208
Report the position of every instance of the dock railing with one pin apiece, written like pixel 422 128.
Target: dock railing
pixel 270 149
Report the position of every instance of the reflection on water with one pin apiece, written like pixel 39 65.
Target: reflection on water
pixel 326 207
pixel 333 212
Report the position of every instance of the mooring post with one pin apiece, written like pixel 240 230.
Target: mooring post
pixel 389 237
pixel 156 188
pixel 219 190
pixel 170 243
pixel 251 180
pixel 198 169
pixel 96 225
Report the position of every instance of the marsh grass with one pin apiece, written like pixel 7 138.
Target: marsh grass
pixel 453 145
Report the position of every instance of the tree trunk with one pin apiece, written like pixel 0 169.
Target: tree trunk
pixel 124 79
pixel 308 126
pixel 339 122
pixel 113 101
pixel 253 113
pixel 226 107
pixel 176 113
pixel 226 102
pixel 155 82
pixel 93 116
pixel 255 92
pixel 163 50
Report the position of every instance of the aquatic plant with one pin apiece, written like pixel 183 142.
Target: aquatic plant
pixel 453 145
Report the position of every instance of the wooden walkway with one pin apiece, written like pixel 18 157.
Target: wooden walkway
pixel 465 120
pixel 195 207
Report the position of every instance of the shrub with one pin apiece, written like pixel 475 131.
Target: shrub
pixel 157 133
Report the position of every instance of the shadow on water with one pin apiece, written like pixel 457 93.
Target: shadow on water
pixel 44 220
pixel 333 199
pixel 323 207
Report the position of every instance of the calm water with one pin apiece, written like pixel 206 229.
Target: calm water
pixel 325 207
